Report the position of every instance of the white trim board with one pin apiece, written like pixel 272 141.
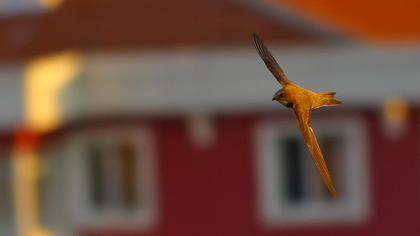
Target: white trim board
pixel 235 80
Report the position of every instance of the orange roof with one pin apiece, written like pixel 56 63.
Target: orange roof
pixel 377 21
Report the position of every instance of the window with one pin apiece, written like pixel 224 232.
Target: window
pixel 98 180
pixel 291 190
pixel 116 182
pixel 300 179
pixel 112 175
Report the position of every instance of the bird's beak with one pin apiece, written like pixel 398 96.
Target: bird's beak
pixel 277 95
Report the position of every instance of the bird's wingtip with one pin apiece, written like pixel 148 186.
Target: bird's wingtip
pixel 333 193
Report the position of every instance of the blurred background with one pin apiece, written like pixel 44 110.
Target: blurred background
pixel 141 117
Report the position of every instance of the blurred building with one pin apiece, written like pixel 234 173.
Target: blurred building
pixel 163 123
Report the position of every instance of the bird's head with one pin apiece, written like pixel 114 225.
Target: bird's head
pixel 280 97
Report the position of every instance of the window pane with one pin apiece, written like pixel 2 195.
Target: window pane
pixel 301 179
pixel 113 172
pixel 96 172
pixel 293 169
pixel 127 158
pixel 332 146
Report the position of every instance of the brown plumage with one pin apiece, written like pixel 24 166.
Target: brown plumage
pixel 302 101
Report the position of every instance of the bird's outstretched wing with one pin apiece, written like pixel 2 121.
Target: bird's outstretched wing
pixel 304 117
pixel 269 61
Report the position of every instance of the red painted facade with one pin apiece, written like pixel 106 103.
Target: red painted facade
pixel 212 191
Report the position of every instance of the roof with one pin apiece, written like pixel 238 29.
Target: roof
pixel 374 21
pixel 132 24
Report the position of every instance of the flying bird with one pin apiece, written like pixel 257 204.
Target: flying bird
pixel 302 101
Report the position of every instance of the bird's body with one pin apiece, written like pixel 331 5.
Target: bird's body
pixel 294 94
pixel 302 101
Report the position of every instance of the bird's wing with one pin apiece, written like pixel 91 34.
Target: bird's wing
pixel 269 61
pixel 304 117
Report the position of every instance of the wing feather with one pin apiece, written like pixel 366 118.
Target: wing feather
pixel 303 116
pixel 269 61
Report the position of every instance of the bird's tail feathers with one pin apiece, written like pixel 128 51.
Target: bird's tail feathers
pixel 327 99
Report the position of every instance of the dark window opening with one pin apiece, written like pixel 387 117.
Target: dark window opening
pixel 96 171
pixel 332 147
pixel 127 155
pixel 292 169
pixel 112 171
pixel 301 179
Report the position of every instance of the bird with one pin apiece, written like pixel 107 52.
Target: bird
pixel 302 101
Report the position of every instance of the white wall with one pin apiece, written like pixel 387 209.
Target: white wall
pixel 231 80
pixel 11 96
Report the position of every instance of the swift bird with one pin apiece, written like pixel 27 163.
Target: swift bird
pixel 302 101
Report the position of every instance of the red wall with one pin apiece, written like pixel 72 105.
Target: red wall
pixel 211 192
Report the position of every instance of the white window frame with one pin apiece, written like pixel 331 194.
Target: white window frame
pixel 143 217
pixel 353 206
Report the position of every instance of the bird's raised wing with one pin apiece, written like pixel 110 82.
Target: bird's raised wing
pixel 269 61
pixel 304 117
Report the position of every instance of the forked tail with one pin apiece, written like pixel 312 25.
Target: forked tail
pixel 326 99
